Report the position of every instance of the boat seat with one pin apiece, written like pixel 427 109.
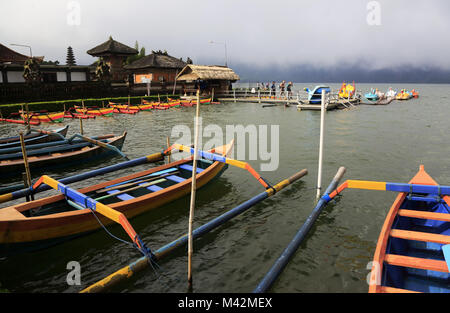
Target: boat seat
pixel 420 236
pixel 420 263
pixel 176 178
pixel 172 169
pixel 122 196
pixel 189 168
pixel 425 215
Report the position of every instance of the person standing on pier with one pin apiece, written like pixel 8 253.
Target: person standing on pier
pixel 282 85
pixel 289 90
pixel 274 88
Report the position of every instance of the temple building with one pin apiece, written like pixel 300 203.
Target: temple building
pixel 12 66
pixel 163 67
pixel 114 53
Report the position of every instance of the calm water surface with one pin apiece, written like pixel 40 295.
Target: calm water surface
pixel 384 143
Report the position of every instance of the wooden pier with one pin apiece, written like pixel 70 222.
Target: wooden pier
pixel 268 99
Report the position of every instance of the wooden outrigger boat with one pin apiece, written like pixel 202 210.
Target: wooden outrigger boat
pixel 34 137
pixel 136 108
pixel 67 153
pixel 38 223
pixel 413 249
pixel 45 117
pixel 95 111
pixel 410 255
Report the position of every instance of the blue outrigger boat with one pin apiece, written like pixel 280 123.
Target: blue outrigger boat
pixel 315 95
pixel 34 137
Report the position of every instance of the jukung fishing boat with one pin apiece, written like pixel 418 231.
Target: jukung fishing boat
pixel 38 223
pixel 413 249
pixel 44 117
pixel 34 137
pixel 95 111
pixel 410 255
pixel 315 95
pixel 136 107
pixel 60 154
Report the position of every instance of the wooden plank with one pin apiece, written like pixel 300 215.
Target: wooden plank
pixel 425 215
pixel 420 263
pixel 385 289
pixel 420 236
pixel 8 214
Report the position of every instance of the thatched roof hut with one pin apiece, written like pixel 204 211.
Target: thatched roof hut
pixel 207 72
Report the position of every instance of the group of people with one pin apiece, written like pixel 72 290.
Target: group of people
pixel 282 87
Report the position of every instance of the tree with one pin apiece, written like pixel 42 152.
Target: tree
pixel 135 57
pixel 70 60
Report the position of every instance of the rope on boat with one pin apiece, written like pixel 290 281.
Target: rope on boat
pixel 94 205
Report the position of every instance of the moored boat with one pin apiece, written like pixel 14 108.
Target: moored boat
pixel 371 96
pixel 95 111
pixel 315 95
pixel 347 91
pixel 34 137
pixel 409 255
pixel 64 154
pixel 41 222
pixel 45 117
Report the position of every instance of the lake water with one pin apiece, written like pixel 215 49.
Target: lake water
pixel 381 143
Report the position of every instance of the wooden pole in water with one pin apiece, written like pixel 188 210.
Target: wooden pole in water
pixel 25 160
pixel 193 189
pixel 322 126
pixel 168 146
pixel 28 117
pixel 81 126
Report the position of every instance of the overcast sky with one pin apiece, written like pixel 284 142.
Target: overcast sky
pixel 260 33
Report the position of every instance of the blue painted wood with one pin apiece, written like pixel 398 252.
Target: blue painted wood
pixel 172 169
pixel 190 167
pixel 175 178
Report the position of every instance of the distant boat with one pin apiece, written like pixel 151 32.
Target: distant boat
pixel 391 93
pixel 371 96
pixel 315 95
pixel 347 91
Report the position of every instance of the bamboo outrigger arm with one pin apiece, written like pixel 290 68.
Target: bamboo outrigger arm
pixel 440 190
pixel 140 264
pixel 214 157
pixel 88 203
pixel 100 144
